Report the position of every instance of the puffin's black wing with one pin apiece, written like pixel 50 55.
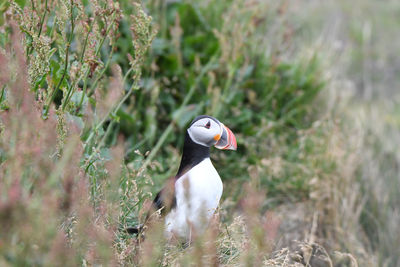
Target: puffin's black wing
pixel 164 201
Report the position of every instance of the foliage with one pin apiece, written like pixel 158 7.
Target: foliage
pixel 95 96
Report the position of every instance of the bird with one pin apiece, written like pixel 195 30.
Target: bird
pixel 190 198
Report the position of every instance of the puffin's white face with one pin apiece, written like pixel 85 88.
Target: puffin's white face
pixel 205 132
pixel 208 131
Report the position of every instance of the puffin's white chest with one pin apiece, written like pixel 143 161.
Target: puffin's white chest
pixel 197 197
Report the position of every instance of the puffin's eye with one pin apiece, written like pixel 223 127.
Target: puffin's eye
pixel 208 125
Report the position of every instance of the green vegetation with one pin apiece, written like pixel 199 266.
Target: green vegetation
pixel 95 97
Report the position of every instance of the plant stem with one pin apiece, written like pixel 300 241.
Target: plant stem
pixel 40 26
pixel 29 49
pixel 169 129
pixel 53 94
pixel 3 89
pixel 225 91
pixel 93 86
pixel 100 144
pixel 69 93
pixel 42 20
pixel 81 61
pixel 112 110
pixel 86 41
pixel 102 72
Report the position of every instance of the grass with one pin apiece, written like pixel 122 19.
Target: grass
pixel 95 96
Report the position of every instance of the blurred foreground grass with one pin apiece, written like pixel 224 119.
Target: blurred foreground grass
pixel 95 97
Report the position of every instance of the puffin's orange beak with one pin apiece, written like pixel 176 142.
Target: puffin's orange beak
pixel 226 140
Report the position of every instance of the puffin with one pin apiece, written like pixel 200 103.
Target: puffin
pixel 189 200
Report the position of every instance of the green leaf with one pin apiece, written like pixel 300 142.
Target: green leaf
pixel 114 117
pixel 159 46
pixel 75 119
pixel 76 98
pixel 105 153
pixel 21 3
pixel 185 114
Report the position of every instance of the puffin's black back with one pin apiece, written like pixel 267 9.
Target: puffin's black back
pixel 192 155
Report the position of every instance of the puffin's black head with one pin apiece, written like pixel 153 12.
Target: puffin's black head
pixel 208 131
